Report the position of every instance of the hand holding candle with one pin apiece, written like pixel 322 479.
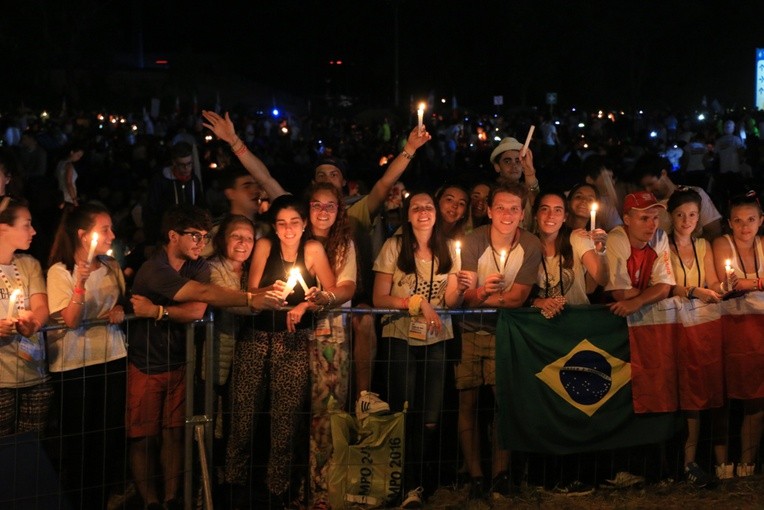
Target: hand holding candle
pixel 12 304
pixel 298 276
pixel 458 249
pixel 93 244
pixel 593 219
pixel 502 259
pixel 420 115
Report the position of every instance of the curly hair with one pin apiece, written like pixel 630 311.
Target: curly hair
pixel 340 235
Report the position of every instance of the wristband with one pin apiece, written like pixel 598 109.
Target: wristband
pixel 415 303
pixel 407 155
pixel 160 313
pixel 78 290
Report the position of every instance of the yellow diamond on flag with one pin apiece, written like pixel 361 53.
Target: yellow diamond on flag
pixel 586 377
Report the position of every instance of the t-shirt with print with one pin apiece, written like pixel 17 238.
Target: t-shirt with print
pixel 638 268
pixel 22 360
pixel 573 279
pixel 521 266
pixel 408 284
pixel 160 346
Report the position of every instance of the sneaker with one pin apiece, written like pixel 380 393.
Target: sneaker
pixel 744 470
pixel 725 471
pixel 413 498
pixel 624 480
pixel 501 487
pixel 477 488
pixel 575 488
pixel 370 403
pixel 696 476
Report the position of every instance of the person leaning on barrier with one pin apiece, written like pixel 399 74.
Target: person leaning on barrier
pixel 638 257
pixel 500 262
pixel 25 392
pixel 171 289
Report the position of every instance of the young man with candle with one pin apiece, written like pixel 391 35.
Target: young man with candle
pixel 171 289
pixel 500 261
pixel 638 256
pixel 361 215
pixel 652 173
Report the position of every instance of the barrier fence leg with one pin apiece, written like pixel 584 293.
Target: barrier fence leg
pixel 199 429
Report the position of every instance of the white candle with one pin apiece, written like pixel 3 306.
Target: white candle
pixel 728 269
pixel 420 114
pixel 527 141
pixel 12 304
pixel 503 259
pixel 93 244
pixel 291 282
pixel 459 252
pixel 593 215
pixel 295 273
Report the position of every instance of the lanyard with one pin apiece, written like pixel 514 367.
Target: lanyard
pixel 740 258
pixel 681 264
pixel 10 287
pixel 506 259
pixel 432 275
pixel 546 276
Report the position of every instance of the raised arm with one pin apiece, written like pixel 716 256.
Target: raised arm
pixel 224 129
pixel 385 183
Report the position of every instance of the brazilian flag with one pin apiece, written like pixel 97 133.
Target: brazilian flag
pixel 563 385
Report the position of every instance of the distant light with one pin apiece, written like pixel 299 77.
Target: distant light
pixel 44 114
pixel 581 125
pixel 161 62
pixel 208 138
pixel 586 146
pixel 331 62
pixel 100 116
pixel 134 127
pixel 122 120
pixel 572 109
pixel 285 130
pixel 339 62
pixel 383 161
pixel 641 112
pixel 599 114
pixel 496 138
pixel 213 165
pixel 653 134
pixel 406 194
pixel 701 117
pixel 557 123
pixel 443 100
pixel 320 142
pixel 275 112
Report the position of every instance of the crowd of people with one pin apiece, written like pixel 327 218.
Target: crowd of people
pixel 515 230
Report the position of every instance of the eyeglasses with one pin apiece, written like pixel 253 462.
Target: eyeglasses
pixel 197 237
pixel 330 207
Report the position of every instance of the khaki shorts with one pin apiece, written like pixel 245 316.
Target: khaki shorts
pixel 477 366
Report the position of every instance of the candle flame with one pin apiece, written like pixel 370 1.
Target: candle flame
pixel 94 238
pixel 421 107
pixel 594 206
pixel 15 294
pixel 458 246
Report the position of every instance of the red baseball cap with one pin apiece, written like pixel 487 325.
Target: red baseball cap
pixel 640 201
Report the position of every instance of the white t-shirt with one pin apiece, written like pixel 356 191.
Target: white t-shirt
pixel 87 345
pixel 573 280
pixel 619 252
pixel 406 285
pixel 340 321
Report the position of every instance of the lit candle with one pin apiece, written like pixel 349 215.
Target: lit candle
pixel 459 251
pixel 93 244
pixel 291 282
pixel 527 141
pixel 593 218
pixel 12 304
pixel 503 259
pixel 420 114
pixel 109 252
pixel 728 269
pixel 295 273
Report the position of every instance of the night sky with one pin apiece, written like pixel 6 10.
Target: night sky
pixel 592 53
